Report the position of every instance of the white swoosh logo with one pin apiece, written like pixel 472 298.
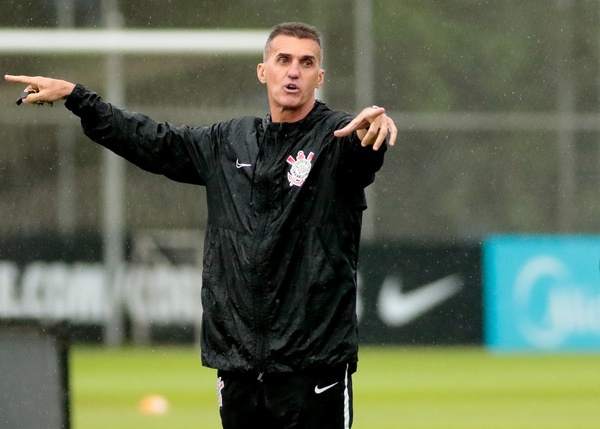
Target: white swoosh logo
pixel 397 308
pixel 319 390
pixel 238 164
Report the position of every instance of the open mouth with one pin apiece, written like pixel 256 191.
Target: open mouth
pixel 291 87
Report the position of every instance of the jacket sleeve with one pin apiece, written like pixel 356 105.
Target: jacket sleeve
pixel 182 153
pixel 359 164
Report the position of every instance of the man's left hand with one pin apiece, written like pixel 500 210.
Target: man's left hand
pixel 372 126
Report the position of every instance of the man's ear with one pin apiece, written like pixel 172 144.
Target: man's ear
pixel 260 72
pixel 321 79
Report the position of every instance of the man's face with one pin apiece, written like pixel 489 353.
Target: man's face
pixel 291 71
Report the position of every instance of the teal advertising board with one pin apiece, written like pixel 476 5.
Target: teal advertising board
pixel 542 293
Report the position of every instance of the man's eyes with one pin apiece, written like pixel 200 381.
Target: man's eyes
pixel 305 63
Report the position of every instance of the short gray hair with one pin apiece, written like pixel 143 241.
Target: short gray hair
pixel 299 30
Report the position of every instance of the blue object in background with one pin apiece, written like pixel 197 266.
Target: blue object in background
pixel 542 293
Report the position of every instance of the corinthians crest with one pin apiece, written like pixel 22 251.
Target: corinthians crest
pixel 300 168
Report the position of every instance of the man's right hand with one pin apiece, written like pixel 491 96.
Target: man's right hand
pixel 42 89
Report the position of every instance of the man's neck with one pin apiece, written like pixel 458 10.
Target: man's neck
pixel 279 114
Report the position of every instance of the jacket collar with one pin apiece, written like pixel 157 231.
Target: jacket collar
pixel 309 119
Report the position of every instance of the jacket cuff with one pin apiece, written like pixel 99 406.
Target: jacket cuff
pixel 75 100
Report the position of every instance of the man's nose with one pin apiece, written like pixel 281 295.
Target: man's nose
pixel 294 70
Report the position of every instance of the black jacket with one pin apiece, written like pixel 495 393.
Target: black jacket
pixel 285 203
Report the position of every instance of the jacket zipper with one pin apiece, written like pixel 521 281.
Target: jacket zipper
pixel 259 303
pixel 259 296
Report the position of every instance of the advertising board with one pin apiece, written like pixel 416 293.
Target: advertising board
pixel 542 293
pixel 408 293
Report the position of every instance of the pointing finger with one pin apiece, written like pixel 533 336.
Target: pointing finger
pixel 356 124
pixel 362 121
pixel 27 80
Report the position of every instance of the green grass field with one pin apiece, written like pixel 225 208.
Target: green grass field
pixel 417 388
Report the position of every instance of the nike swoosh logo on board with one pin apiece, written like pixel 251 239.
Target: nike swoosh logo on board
pixel 319 390
pixel 398 308
pixel 239 164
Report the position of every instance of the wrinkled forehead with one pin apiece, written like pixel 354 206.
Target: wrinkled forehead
pixel 294 46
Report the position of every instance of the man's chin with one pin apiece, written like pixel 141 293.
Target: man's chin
pixel 293 102
pixel 293 106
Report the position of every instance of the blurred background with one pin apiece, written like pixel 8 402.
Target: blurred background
pixel 496 102
pixel 482 226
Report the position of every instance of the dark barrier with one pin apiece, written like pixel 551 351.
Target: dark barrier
pixel 420 294
pixel 409 293
pixel 34 389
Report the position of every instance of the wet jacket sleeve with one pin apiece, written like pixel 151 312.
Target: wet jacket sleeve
pixel 182 153
pixel 359 164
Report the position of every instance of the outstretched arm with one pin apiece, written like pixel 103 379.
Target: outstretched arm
pixel 158 147
pixel 42 89
pixel 372 126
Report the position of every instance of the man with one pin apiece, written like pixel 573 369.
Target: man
pixel 285 196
